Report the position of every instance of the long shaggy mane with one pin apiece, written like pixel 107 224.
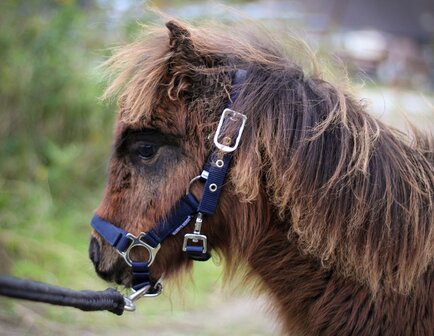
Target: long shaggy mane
pixel 352 191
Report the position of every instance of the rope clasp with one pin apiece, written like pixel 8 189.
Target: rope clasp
pixel 130 306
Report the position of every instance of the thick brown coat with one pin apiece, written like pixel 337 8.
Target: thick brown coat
pixel 330 209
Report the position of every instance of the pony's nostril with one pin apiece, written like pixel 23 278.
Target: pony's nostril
pixel 94 252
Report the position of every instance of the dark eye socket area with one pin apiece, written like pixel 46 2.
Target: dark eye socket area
pixel 144 144
pixel 145 151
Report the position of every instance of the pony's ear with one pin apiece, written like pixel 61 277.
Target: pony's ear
pixel 179 37
pixel 190 67
pixel 185 78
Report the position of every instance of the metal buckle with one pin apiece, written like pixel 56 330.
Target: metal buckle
pixel 137 241
pixel 235 116
pixel 195 238
pixel 129 304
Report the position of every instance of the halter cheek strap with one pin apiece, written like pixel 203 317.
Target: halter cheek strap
pixel 195 243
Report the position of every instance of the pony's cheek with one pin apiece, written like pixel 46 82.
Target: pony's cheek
pixel 196 188
pixel 171 260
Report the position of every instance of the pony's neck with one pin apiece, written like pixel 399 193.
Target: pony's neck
pixel 346 191
pixel 294 280
pixel 311 299
pixel 360 193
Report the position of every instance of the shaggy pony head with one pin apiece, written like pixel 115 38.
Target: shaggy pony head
pixel 312 165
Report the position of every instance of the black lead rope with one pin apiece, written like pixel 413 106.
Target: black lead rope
pixel 109 299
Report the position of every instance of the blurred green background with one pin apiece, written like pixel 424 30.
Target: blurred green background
pixel 55 138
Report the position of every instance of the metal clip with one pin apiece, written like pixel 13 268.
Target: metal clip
pixel 196 236
pixel 235 116
pixel 138 242
pixel 142 292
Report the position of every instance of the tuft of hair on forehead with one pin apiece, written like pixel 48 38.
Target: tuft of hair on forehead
pixel 134 73
pixel 177 62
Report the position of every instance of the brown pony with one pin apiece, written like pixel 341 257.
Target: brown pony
pixel 329 209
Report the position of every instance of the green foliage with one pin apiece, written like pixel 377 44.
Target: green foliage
pixel 54 137
pixel 54 144
pixel 47 94
pixel 54 134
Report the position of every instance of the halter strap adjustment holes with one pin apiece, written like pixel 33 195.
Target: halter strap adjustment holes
pixel 213 187
pixel 219 163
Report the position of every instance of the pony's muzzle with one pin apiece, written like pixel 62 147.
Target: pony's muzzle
pixel 116 270
pixel 94 252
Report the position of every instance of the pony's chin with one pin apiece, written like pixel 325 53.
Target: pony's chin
pixel 119 278
pixel 122 277
pixel 119 274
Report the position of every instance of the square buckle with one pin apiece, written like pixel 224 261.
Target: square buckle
pixel 235 117
pixel 195 238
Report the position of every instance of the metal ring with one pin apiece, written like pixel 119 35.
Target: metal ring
pixel 213 187
pixel 138 242
pixel 194 179
pixel 219 163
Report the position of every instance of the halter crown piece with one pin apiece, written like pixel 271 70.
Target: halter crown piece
pixel 195 245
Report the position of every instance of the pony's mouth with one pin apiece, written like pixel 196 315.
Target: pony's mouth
pixel 118 272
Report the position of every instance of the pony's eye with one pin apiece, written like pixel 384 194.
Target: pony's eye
pixel 147 151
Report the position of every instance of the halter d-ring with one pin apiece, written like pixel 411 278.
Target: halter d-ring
pixel 202 176
pixel 138 242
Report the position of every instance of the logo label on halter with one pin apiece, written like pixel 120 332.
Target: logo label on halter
pixel 183 225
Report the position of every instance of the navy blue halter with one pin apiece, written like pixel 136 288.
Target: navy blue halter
pixel 195 244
